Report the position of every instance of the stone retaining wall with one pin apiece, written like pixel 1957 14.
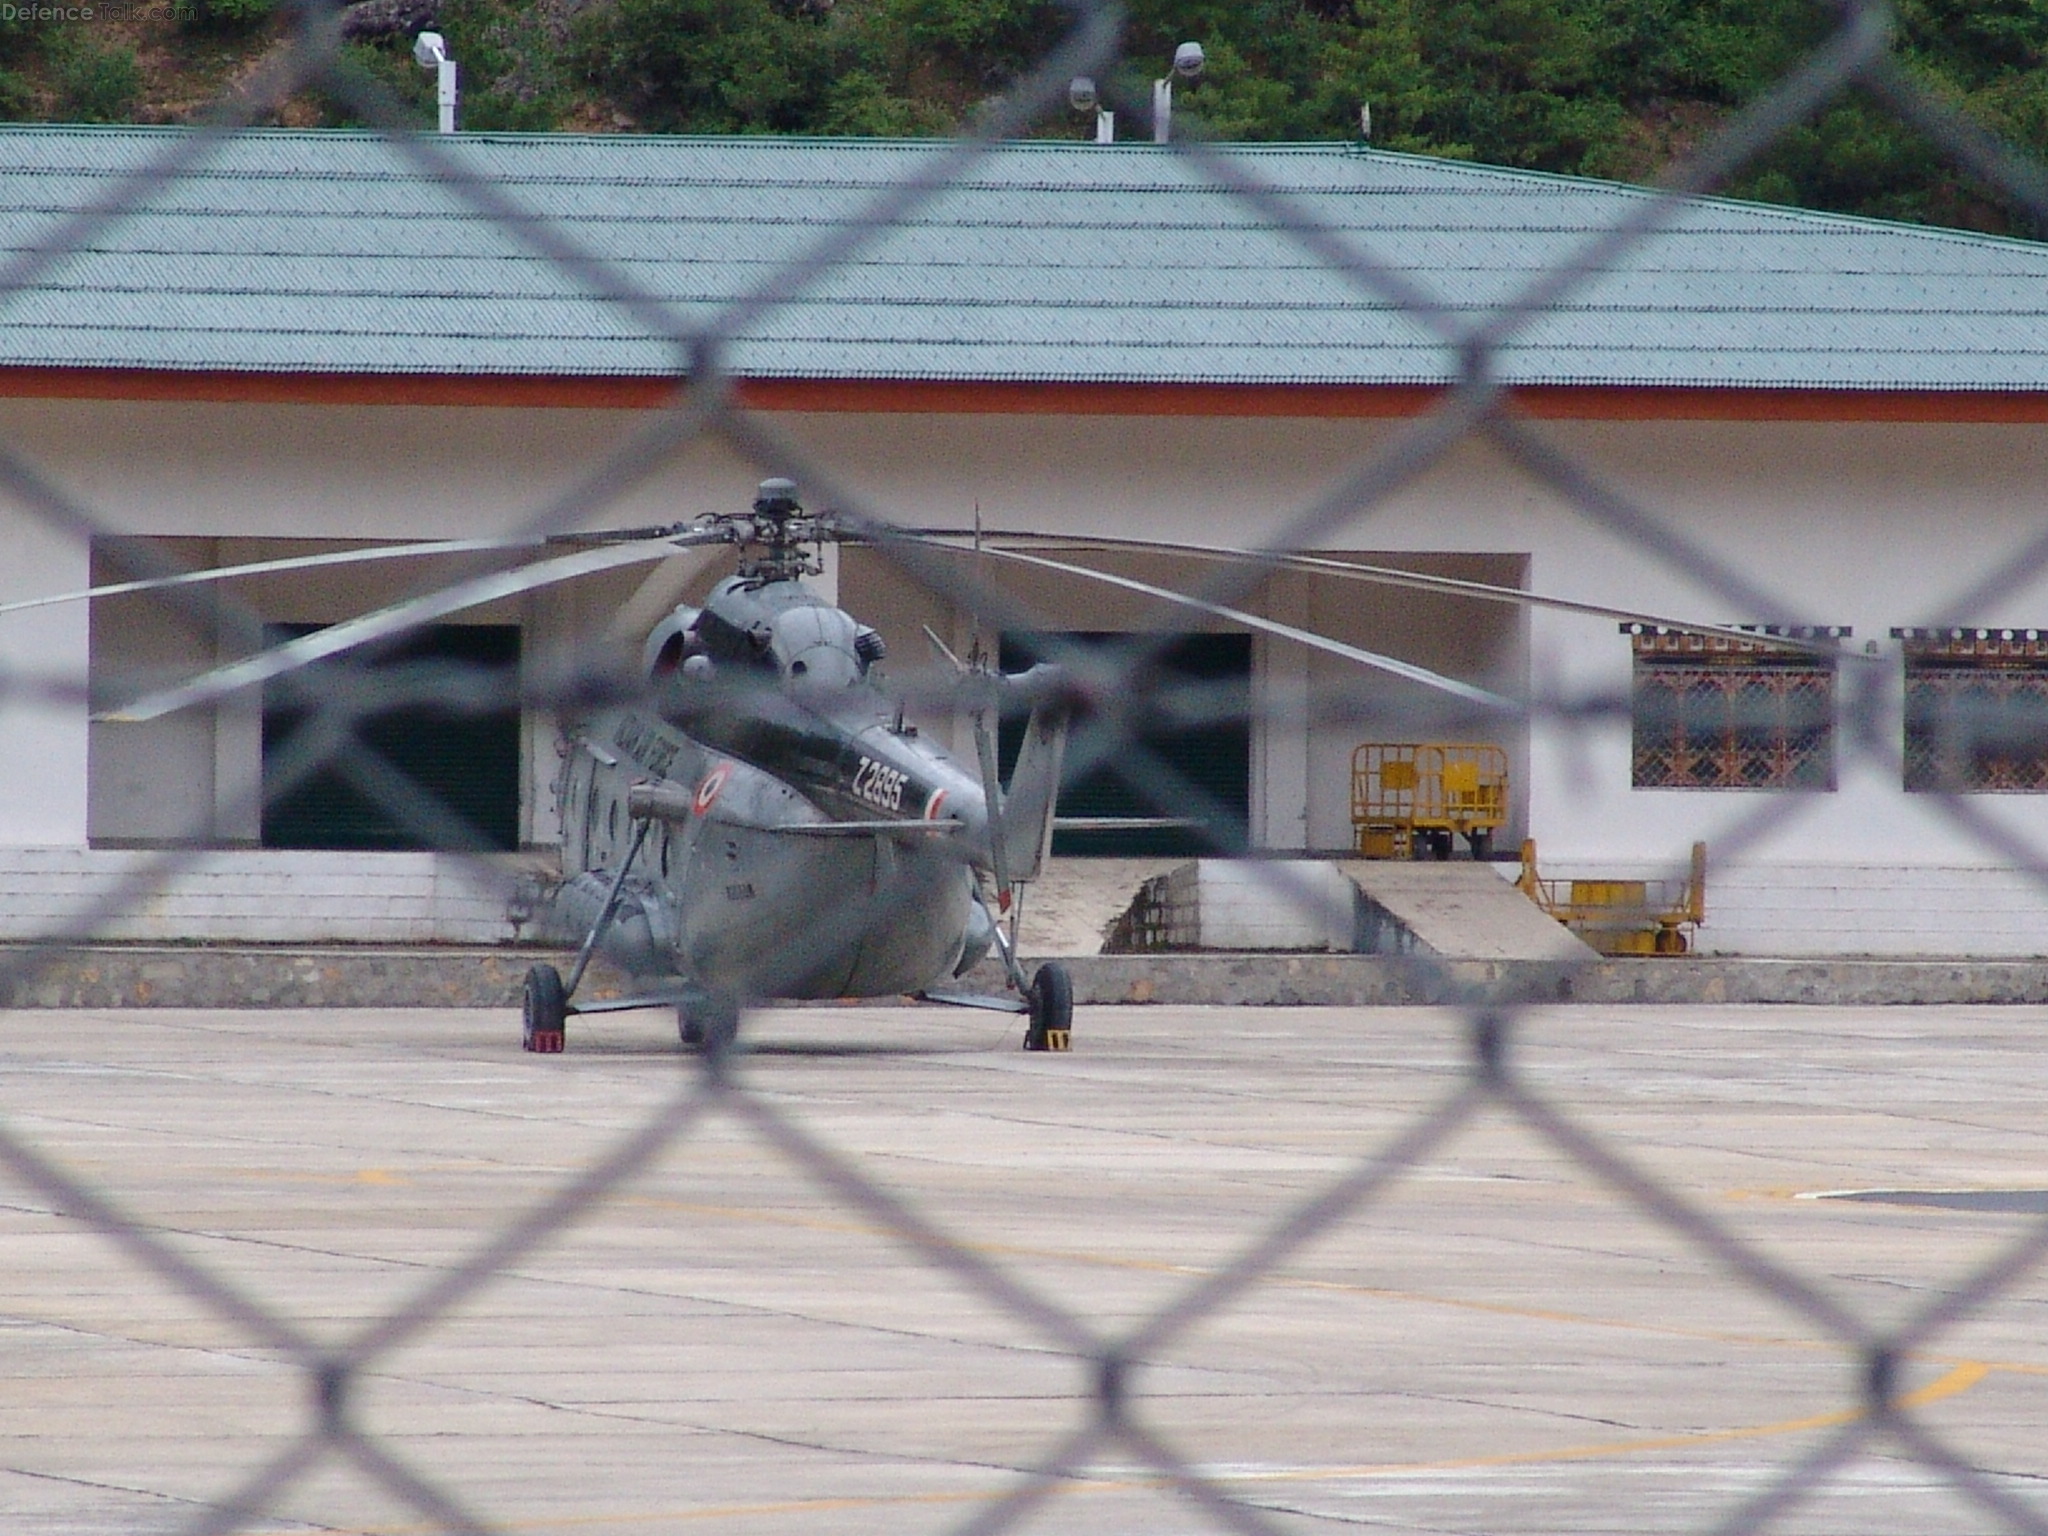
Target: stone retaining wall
pixel 150 976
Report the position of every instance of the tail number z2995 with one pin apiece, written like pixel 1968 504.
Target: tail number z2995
pixel 879 784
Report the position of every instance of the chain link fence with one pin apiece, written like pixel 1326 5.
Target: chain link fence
pixel 1123 685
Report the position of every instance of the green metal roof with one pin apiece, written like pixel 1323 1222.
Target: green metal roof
pixel 341 253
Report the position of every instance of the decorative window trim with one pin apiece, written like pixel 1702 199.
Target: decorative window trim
pixel 1976 711
pixel 1717 712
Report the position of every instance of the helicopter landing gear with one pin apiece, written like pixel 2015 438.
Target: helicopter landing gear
pixel 1051 999
pixel 708 1022
pixel 545 1010
pixel 1048 997
pixel 546 997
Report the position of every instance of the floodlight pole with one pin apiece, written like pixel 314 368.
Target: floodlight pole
pixel 430 51
pixel 1188 63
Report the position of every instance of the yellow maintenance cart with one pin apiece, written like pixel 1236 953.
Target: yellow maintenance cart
pixel 1410 798
pixel 1624 917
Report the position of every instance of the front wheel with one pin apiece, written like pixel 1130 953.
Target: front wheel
pixel 1051 1001
pixel 544 1009
pixel 708 1023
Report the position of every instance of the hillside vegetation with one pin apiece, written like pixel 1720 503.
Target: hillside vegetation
pixel 1611 88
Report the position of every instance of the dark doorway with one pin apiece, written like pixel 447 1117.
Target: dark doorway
pixel 1204 695
pixel 465 764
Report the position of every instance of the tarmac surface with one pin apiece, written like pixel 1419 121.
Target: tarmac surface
pixel 1496 1341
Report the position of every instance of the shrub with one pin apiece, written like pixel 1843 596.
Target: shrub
pixel 94 85
pixel 222 15
pixel 709 66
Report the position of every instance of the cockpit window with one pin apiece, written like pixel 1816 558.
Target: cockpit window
pixel 729 645
pixel 668 657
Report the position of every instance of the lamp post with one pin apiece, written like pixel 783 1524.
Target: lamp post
pixel 1187 63
pixel 430 51
pixel 1081 97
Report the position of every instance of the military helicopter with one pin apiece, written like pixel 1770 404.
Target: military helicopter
pixel 767 825
pixel 759 821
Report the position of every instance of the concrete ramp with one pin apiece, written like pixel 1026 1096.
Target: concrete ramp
pixel 1069 910
pixel 1455 911
pixel 1463 911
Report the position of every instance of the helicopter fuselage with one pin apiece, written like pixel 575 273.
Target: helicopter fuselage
pixel 801 841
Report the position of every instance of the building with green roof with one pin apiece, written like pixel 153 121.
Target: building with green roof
pixel 305 340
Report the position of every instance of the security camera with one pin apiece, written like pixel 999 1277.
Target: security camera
pixel 430 50
pixel 1188 60
pixel 1081 94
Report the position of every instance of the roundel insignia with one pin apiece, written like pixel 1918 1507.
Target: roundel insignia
pixel 932 806
pixel 714 781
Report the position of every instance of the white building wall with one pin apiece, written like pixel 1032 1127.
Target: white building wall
pixel 43 662
pixel 266 896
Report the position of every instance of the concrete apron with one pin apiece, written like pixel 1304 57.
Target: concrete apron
pixel 148 976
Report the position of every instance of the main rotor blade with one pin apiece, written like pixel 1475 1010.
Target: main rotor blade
pixel 1391 665
pixel 1392 576
pixel 270 567
pixel 267 666
pixel 656 597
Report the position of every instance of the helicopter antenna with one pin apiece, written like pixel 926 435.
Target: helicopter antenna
pixel 943 649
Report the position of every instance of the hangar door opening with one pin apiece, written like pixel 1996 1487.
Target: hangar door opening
pixel 1204 738
pixel 465 764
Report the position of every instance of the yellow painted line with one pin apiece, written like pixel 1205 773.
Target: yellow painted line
pixel 1958 1380
pixel 359 1176
pixel 1951 1383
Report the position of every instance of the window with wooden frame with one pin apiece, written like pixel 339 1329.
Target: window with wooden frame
pixel 1717 712
pixel 1976 718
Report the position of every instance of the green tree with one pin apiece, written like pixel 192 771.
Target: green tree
pixel 711 66
pixel 222 15
pixel 1593 87
pixel 512 57
pixel 93 84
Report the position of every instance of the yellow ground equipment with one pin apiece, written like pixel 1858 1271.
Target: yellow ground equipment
pixel 1411 798
pixel 1624 917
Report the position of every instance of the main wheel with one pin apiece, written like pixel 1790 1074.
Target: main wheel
pixel 1051 999
pixel 545 1010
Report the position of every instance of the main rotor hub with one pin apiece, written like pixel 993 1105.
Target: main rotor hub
pixel 781 532
pixel 776 499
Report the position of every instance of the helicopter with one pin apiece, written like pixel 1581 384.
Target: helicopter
pixel 767 825
pixel 757 820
